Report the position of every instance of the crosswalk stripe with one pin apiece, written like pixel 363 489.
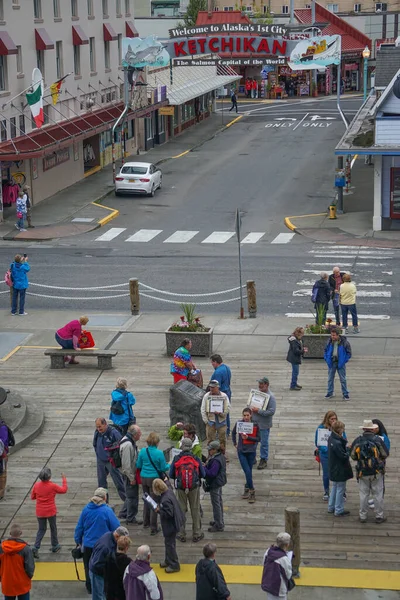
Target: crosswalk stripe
pixel 180 237
pixel 110 234
pixel 144 235
pixel 361 317
pixel 253 237
pixel 218 237
pixel 283 238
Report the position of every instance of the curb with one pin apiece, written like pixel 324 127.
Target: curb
pixel 288 223
pixel 113 214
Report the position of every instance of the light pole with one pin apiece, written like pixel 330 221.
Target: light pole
pixel 366 54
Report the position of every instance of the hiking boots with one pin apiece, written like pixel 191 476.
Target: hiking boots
pixel 252 496
pixel 263 464
pixel 380 520
pixel 245 494
pixel 296 387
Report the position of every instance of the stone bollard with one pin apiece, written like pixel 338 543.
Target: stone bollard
pixel 134 295
pixel 251 299
pixel 292 527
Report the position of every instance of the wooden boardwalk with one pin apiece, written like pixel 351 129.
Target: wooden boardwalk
pixel 73 398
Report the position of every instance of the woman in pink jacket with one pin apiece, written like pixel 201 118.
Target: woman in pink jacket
pixel 68 337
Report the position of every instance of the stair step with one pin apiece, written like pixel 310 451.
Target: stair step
pixel 31 428
pixel 14 417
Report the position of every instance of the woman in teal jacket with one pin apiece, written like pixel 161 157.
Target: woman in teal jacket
pixel 152 465
pixel 19 270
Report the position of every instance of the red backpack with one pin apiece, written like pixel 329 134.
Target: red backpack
pixel 187 473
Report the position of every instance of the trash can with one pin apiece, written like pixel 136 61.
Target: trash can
pixel 332 211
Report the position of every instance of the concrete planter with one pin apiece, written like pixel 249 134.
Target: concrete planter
pixel 315 342
pixel 202 341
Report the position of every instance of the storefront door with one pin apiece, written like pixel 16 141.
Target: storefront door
pixel 395 193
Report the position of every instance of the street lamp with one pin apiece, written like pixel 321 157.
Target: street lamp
pixel 366 54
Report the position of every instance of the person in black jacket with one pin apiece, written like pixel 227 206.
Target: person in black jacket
pixel 215 469
pixel 114 570
pixel 172 520
pixel 210 581
pixel 335 281
pixel 339 469
pixel 322 299
pixel 295 353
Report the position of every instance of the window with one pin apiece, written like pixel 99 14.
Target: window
pixel 105 8
pixel 46 111
pixel 90 8
pixel 228 8
pixel 13 128
pixel 56 9
pixel 92 54
pixel 161 124
pixel 1 10
pixel 119 48
pixel 334 8
pixel 20 68
pixel 380 7
pixel 118 7
pixel 40 61
pixel 3 73
pixel 74 8
pixel 107 55
pixel 149 128
pixel 127 8
pixel 21 124
pixel 357 8
pixel 77 60
pixel 249 8
pixel 285 9
pixel 130 133
pixel 37 9
pixel 216 8
pixel 3 128
pixel 265 9
pixel 15 2
pixel 59 60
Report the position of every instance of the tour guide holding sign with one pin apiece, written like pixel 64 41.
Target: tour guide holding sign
pixel 214 410
pixel 248 436
pixel 263 418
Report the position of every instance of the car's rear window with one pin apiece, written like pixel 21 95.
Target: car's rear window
pixel 134 170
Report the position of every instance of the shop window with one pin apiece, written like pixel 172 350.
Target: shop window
pixel 107 138
pixel 285 9
pixel 3 73
pixel 59 60
pixel 3 129
pixel 333 8
pixel 74 8
pixel 13 128
pixel 357 8
pixel 130 129
pixel 20 67
pixel 21 124
pixel 37 9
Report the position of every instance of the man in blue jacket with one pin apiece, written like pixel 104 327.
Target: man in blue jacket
pixel 102 549
pixel 105 437
pixel 337 354
pixel 222 374
pixel 19 269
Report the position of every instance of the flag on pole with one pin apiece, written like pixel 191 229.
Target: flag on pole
pixel 35 98
pixel 55 89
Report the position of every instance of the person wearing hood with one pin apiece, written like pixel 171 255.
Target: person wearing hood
pixel 121 413
pixel 177 433
pixel 115 568
pixel 105 546
pixel 96 519
pixel 277 568
pixel 16 565
pixel 140 580
pixel 322 291
pixel 210 581
pixel 19 269
pixel 295 353
pixel 172 520
pixel 337 353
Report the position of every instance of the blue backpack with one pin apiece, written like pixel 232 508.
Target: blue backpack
pixel 314 293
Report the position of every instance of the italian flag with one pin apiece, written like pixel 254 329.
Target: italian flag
pixel 35 101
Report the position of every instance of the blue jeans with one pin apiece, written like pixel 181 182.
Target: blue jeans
pixel 20 597
pixel 104 468
pixel 353 311
pixel 247 460
pixel 228 424
pixel 67 344
pixel 264 445
pixel 97 582
pixel 342 376
pixel 336 497
pixel 325 472
pixel 14 304
pixel 20 222
pixel 295 374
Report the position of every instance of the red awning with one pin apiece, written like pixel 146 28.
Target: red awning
pixel 130 29
pixel 40 142
pixel 43 41
pixel 7 46
pixel 109 33
pixel 79 37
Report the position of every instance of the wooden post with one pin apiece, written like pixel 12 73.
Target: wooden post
pixel 134 294
pixel 292 527
pixel 252 299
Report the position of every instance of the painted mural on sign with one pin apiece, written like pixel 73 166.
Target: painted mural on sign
pixel 147 52
pixel 316 52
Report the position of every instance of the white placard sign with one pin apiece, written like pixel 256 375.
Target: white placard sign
pixel 175 452
pixel 258 399
pixel 323 436
pixel 216 405
pixel 150 501
pixel 243 427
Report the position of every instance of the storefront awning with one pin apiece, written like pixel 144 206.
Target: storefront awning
pixel 40 142
pixel 43 40
pixel 7 46
pixel 131 30
pixel 109 33
pixel 79 37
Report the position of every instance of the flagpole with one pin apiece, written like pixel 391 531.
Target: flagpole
pixel 30 87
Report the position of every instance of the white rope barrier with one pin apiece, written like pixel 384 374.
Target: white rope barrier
pixel 77 298
pixel 148 287
pixel 57 287
pixel 197 303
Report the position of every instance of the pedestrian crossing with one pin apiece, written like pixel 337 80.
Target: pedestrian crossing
pixel 371 270
pixel 185 236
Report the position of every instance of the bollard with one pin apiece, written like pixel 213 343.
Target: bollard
pixel 251 299
pixel 292 527
pixel 135 297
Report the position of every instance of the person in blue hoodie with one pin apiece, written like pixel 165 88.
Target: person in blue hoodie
pixel 121 413
pixel 96 519
pixel 19 269
pixel 337 354
pixel 222 374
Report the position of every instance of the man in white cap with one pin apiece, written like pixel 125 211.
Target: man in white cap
pixel 214 411
pixel 370 453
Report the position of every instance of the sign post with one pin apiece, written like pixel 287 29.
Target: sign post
pixel 238 227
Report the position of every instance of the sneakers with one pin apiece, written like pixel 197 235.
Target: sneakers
pixel 356 330
pixel 214 528
pixel 380 520
pixel 328 395
pixel 198 538
pixel 263 464
pixel 325 497
pixel 22 229
pixel 345 513
pixel 252 496
pixel 181 537
pixel 346 397
pixel 245 495
pixel 22 314
pixel 56 549
pixel 296 387
pixel 346 331
pixel 172 570
pixel 371 503
pixel 155 531
pixel 35 552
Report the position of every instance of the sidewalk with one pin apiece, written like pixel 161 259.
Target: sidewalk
pixel 355 225
pixel 74 210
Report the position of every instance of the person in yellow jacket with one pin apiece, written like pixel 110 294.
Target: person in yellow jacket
pixel 348 293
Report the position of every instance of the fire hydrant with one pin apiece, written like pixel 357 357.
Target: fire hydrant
pixel 332 211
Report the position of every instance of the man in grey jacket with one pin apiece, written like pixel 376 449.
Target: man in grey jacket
pixel 263 418
pixel 128 452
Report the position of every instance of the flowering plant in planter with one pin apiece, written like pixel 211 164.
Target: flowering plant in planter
pixel 321 326
pixel 189 321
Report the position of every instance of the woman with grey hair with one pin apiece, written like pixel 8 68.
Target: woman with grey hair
pixel 277 570
pixel 44 492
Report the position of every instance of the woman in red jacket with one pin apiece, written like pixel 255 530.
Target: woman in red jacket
pixel 44 492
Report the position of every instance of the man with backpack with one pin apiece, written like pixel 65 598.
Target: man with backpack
pixel 187 471
pixel 105 437
pixel 370 452
pixel 320 296
pixel 7 440
pixel 128 454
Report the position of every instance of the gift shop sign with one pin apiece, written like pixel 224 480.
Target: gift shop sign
pixel 228 44
pixel 57 158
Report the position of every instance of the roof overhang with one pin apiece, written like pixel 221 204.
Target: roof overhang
pixel 109 33
pixel 130 29
pixel 43 40
pixel 7 45
pixel 79 37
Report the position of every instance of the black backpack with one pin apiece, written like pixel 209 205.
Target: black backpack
pixel 368 458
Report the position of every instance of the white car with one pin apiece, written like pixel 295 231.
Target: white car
pixel 138 178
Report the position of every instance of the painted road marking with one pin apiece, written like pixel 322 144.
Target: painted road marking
pixel 110 234
pixel 372 284
pixel 283 238
pixel 144 235
pixel 180 237
pixel 218 237
pixel 360 293
pixel 253 237
pixel 363 317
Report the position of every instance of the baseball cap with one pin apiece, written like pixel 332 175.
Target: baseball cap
pixel 214 383
pixel 264 380
pixel 215 445
pixel 186 444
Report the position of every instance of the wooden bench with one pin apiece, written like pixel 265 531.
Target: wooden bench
pixel 104 357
